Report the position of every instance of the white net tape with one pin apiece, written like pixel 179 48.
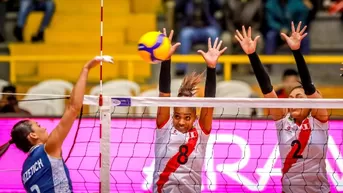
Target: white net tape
pixel 205 102
pixel 220 102
pixel 242 155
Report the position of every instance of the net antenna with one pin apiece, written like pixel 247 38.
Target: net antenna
pixel 105 122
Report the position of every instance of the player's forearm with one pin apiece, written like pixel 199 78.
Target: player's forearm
pixel 304 73
pixel 165 77
pixel 260 73
pixel 211 83
pixel 77 95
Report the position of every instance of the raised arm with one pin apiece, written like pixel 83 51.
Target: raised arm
pixel 294 42
pixel 211 59
pixel 54 143
pixel 249 47
pixel 163 113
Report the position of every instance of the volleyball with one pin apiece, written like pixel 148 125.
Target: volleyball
pixel 154 47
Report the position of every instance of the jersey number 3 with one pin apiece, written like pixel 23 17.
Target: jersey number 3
pixel 183 157
pixel 296 153
pixel 35 189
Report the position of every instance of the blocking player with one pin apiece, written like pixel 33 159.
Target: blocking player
pixel 302 133
pixel 181 139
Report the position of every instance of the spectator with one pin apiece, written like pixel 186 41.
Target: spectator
pixel 279 15
pixel 9 103
pixel 238 13
pixel 334 6
pixel 26 6
pixel 7 89
pixel 197 26
pixel 289 78
pixel 2 19
pixel 313 6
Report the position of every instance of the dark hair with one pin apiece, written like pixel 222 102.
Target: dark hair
pixel 289 72
pixel 188 87
pixel 9 88
pixel 19 134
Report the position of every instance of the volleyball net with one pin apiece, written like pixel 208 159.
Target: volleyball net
pixel 242 152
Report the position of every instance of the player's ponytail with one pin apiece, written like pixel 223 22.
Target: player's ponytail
pixel 5 147
pixel 189 85
pixel 19 135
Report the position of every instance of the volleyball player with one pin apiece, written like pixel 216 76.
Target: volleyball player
pixel 181 139
pixel 302 133
pixel 44 169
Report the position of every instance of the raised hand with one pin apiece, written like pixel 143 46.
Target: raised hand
pixel 213 53
pixel 97 60
pixel 294 40
pixel 173 47
pixel 248 45
pixel 108 59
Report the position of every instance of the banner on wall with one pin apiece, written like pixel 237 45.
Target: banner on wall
pixel 241 156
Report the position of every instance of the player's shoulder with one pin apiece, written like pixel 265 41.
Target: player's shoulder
pixel 167 125
pixel 36 152
pixel 285 119
pixel 317 123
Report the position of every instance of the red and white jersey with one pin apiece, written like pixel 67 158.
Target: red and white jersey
pixel 179 158
pixel 303 153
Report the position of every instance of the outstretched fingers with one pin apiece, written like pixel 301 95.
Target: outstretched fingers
pixel 209 43
pixel 284 36
pixel 303 30
pixel 171 35
pixel 222 51
pixel 219 45
pixel 201 52
pixel 303 36
pixel 299 27
pixel 256 39
pixel 239 35
pixel 244 32
pixel 293 28
pixel 249 32
pixel 164 32
pixel 176 45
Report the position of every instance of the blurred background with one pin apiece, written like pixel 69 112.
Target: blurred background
pixel 45 43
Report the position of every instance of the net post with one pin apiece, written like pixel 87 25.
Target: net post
pixel 105 144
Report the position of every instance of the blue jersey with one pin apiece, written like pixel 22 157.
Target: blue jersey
pixel 43 173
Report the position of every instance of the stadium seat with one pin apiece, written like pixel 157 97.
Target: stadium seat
pixel 54 106
pixel 233 88
pixel 3 83
pixel 40 108
pixel 149 111
pixel 79 7
pixel 134 87
pixel 140 6
pixel 65 86
pixel 75 31
pixel 119 85
pixel 78 49
pixel 175 85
